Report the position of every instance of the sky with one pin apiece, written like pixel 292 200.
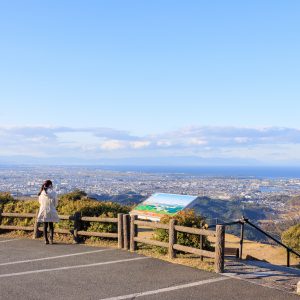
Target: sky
pixel 199 81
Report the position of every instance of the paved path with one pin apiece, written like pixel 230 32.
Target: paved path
pixel 31 270
pixel 265 274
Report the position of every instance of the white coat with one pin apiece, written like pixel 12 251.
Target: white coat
pixel 48 202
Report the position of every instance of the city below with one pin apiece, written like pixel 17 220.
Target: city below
pixel 25 181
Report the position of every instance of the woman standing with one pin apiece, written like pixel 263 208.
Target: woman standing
pixel 47 212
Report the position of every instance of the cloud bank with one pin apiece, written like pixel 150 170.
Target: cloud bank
pixel 270 144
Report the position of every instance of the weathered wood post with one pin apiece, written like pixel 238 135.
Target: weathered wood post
pixel 0 218
pixel 77 226
pixel 241 240
pixel 219 248
pixel 36 232
pixel 126 231
pixel 120 231
pixel 172 238
pixel 201 245
pixel 133 233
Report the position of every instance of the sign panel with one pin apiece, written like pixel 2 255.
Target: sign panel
pixel 160 204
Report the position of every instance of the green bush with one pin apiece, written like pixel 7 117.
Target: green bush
pixel 291 237
pixel 4 199
pixel 68 204
pixel 19 206
pixel 75 195
pixel 186 218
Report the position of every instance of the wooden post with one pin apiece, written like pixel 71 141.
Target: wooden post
pixel 241 240
pixel 0 219
pixel 36 233
pixel 201 245
pixel 288 257
pixel 133 233
pixel 126 231
pixel 77 225
pixel 219 248
pixel 120 231
pixel 172 238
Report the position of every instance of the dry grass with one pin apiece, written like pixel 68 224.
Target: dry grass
pixel 189 260
pixel 273 254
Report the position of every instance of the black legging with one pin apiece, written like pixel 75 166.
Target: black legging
pixel 51 229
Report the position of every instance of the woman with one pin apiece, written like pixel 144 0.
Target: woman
pixel 47 212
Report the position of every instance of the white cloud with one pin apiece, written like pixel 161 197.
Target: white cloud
pixel 140 144
pixel 197 140
pixel 112 145
pixel 164 143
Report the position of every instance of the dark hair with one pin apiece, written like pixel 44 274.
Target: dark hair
pixel 45 186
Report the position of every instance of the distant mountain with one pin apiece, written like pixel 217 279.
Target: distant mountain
pixel 129 161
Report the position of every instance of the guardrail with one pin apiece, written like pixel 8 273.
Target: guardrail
pixel 288 249
pixel 242 223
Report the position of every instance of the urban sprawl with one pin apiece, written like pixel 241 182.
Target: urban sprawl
pixel 26 181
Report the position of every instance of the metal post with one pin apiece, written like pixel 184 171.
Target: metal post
pixel 241 240
pixel 287 257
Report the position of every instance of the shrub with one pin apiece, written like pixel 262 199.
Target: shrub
pixel 75 195
pixel 68 204
pixel 19 206
pixel 4 199
pixel 186 218
pixel 291 237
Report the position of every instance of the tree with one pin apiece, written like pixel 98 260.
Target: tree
pixel 291 237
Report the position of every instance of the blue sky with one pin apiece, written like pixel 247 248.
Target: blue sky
pixel 116 79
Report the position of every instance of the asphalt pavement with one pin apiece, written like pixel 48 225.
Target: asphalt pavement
pixel 30 269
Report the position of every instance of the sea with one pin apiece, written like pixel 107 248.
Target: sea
pixel 224 171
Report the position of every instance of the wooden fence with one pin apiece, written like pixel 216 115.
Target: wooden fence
pixel 172 245
pixel 76 231
pixel 127 234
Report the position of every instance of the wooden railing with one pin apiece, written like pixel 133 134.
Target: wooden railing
pixel 16 215
pixel 127 234
pixel 76 231
pixel 173 246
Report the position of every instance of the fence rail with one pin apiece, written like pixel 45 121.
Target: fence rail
pixel 75 231
pixel 127 233
pixel 195 230
pixel 18 215
pixel 172 244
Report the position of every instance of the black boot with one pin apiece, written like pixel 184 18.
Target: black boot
pixel 51 227
pixel 46 233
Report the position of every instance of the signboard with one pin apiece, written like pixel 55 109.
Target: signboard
pixel 160 204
